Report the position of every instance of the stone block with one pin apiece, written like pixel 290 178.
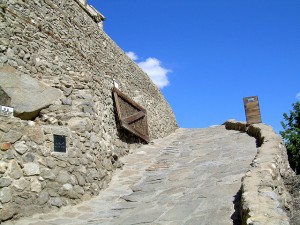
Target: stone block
pixel 67 187
pixel 35 185
pixel 9 154
pixel 5 195
pixel 36 134
pixel 28 157
pixel 81 169
pixel 52 189
pixel 50 163
pixel 78 189
pixel 106 163
pixel 56 201
pixel 12 136
pixel 63 177
pixel 79 124
pixel 7 212
pixel 5 125
pixel 43 197
pixel 47 174
pixel 5 181
pixel 14 170
pixel 80 179
pixel 3 167
pixel 31 169
pixel 20 147
pixel 20 184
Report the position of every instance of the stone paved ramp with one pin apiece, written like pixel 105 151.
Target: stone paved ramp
pixel 191 177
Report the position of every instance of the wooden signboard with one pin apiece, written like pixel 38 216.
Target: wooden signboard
pixel 131 115
pixel 252 110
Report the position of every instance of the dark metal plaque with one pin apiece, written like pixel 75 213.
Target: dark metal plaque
pixel 60 143
pixel 131 115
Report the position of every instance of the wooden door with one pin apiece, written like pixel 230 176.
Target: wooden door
pixel 131 115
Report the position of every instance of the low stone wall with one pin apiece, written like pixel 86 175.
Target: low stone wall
pixel 264 199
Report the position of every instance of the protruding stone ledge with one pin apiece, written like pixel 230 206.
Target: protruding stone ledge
pixel 265 200
pixel 92 12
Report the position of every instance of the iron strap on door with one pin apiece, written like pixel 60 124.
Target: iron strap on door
pixel 131 115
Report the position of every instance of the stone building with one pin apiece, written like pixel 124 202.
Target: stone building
pixel 63 140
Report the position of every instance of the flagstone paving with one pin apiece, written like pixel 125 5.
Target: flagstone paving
pixel 191 177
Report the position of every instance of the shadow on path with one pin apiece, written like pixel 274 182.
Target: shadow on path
pixel 236 216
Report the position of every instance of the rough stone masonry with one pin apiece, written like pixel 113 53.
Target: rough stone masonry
pixel 56 70
pixel 186 178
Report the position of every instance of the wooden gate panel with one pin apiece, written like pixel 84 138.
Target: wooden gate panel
pixel 131 115
pixel 252 110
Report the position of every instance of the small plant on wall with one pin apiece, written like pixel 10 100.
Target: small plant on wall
pixel 291 136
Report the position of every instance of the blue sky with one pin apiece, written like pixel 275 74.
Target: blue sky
pixel 207 55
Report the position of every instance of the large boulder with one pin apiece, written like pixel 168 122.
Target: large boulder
pixel 28 95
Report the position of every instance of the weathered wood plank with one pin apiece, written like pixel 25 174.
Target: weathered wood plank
pixel 136 132
pixel 252 110
pixel 126 98
pixel 251 104
pixel 134 117
pixel 253 113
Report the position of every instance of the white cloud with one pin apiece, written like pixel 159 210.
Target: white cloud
pixel 152 66
pixel 298 96
pixel 132 55
pixel 156 72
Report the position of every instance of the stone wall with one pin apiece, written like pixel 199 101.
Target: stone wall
pixel 265 199
pixel 63 67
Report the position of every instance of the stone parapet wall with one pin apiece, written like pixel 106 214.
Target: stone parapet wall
pixel 59 47
pixel 265 199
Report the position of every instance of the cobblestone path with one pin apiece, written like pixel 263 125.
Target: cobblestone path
pixel 191 177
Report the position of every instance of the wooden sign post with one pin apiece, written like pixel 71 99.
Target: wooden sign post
pixel 252 110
